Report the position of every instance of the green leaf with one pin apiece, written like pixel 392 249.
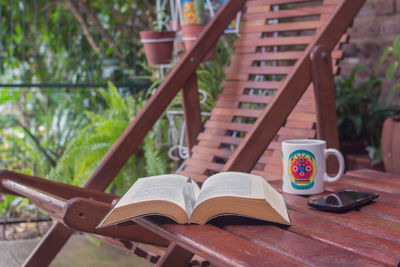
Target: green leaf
pixel 385 54
pixel 391 70
pixel 396 46
pixel 392 94
pixel 357 122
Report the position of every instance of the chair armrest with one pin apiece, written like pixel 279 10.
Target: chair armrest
pixel 60 190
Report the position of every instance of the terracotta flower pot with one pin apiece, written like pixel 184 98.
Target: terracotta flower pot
pixel 158 46
pixel 190 35
pixel 391 144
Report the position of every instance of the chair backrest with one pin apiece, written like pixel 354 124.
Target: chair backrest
pixel 273 36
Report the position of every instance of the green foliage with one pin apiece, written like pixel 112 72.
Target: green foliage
pixel 162 20
pixel 210 75
pixel 394 52
pixel 360 112
pixel 13 206
pixel 84 152
pixel 33 136
pixel 43 40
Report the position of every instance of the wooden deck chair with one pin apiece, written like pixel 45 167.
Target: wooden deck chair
pixel 279 86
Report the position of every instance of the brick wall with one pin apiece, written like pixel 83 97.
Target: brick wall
pixel 375 27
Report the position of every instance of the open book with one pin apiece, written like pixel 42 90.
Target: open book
pixel 180 199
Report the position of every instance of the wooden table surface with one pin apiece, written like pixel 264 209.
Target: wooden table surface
pixel 369 236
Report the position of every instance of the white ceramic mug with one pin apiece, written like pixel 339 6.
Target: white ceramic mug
pixel 304 166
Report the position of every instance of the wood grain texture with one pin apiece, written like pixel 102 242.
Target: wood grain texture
pixel 367 173
pixel 218 246
pixel 312 252
pixel 175 256
pixel 275 114
pixel 364 237
pixel 83 215
pixel 191 111
pixel 324 88
pixel 56 188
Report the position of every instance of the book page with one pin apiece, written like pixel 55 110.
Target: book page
pixel 276 200
pixel 232 184
pixel 162 187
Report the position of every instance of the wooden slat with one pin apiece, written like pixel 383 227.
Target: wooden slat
pixel 191 111
pixel 306 133
pixel 256 99
pixel 220 139
pixel 225 153
pixel 368 173
pixel 259 70
pixel 278 41
pixel 208 165
pixel 312 252
pixel 257 3
pixel 194 176
pixel 251 84
pixel 375 248
pixel 289 26
pixel 277 169
pixel 250 113
pixel 247 59
pixel 294 55
pixel 241 127
pixel 290 13
pixel 232 250
pixel 375 226
pixel 376 185
pixel 384 197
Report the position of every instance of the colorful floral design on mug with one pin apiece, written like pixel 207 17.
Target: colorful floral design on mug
pixel 302 169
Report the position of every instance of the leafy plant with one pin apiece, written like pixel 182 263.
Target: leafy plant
pixel 360 112
pixel 394 51
pixel 211 74
pixel 88 148
pixel 162 20
pixel 36 127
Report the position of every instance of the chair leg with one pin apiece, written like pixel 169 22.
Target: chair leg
pixel 49 246
pixel 175 256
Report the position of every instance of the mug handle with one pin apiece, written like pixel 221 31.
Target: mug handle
pixel 338 155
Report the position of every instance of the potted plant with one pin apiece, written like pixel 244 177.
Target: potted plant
pixel 194 23
pixel 391 127
pixel 360 120
pixel 158 44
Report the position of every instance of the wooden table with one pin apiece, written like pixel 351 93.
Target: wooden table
pixel 369 236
